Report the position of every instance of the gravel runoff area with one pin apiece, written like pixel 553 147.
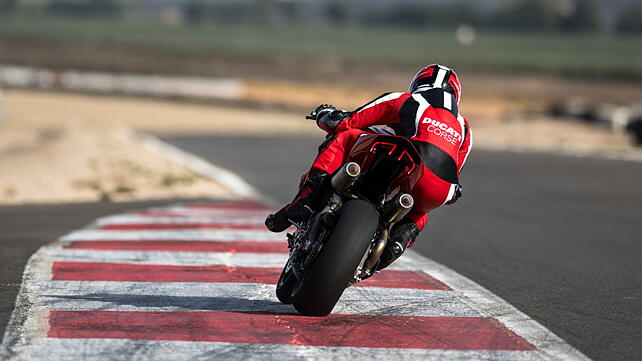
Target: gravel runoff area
pixel 58 148
pixel 61 147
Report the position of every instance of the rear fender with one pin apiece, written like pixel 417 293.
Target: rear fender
pixel 388 163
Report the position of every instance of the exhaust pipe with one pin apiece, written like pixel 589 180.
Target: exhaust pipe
pixel 398 207
pixel 346 176
pixel 375 253
pixel 394 210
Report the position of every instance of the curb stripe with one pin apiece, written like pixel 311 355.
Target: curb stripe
pixel 240 297
pixel 232 259
pixel 247 205
pixel 186 212
pixel 183 246
pixel 83 271
pixel 445 333
pixel 117 350
pixel 170 235
pixel 151 257
pixel 133 219
pixel 89 271
pixel 179 226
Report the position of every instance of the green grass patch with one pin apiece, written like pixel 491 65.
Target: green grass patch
pixel 583 55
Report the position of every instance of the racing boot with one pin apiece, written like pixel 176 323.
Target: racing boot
pixel 402 236
pixel 306 201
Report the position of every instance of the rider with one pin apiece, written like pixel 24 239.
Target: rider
pixel 428 115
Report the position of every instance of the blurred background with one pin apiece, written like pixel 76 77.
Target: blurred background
pixel 568 73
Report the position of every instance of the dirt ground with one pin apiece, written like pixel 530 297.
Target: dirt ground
pixel 61 147
pixel 55 148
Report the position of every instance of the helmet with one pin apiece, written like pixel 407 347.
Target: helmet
pixel 436 76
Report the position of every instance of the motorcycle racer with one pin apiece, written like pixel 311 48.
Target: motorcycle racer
pixel 428 115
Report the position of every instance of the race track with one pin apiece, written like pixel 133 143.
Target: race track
pixel 197 281
pixel 556 236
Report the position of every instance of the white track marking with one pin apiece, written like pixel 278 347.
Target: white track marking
pixel 172 258
pixel 234 184
pixel 239 297
pixel 270 260
pixel 212 212
pixel 175 235
pixel 133 219
pixel 130 350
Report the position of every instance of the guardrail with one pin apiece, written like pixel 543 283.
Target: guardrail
pixel 130 84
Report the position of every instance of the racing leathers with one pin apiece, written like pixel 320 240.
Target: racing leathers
pixel 431 120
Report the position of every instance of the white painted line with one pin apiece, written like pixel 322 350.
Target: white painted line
pixel 234 184
pixel 204 211
pixel 114 350
pixel 175 235
pixel 171 258
pixel 239 297
pixel 134 219
pixel 26 323
pixel 168 258
pixel 187 209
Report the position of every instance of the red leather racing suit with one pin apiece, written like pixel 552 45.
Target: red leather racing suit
pixel 431 120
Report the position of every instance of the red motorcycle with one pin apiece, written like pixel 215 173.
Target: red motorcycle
pixel 341 244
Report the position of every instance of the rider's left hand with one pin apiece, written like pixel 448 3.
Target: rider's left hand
pixel 321 110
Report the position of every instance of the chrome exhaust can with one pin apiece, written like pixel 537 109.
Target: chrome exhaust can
pixel 398 207
pixel 346 176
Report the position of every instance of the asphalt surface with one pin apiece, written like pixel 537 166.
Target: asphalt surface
pixel 558 237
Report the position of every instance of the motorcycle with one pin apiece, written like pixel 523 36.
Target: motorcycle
pixel 341 244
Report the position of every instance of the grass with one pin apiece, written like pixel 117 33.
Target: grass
pixel 170 180
pixel 580 55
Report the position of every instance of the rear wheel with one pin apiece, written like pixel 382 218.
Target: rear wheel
pixel 286 284
pixel 322 286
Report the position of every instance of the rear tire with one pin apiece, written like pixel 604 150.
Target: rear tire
pixel 320 289
pixel 286 284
